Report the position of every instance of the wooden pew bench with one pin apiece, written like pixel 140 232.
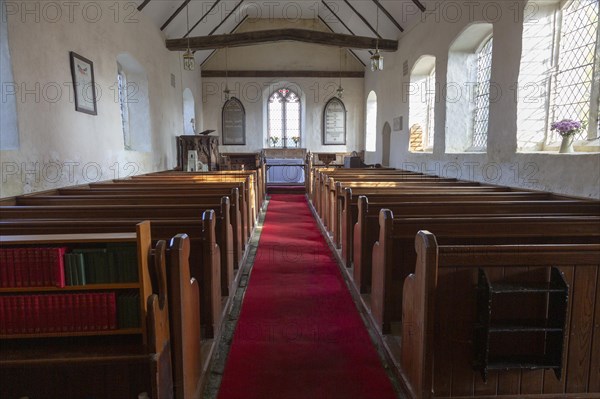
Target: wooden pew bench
pixel 170 196
pixel 440 319
pixel 394 257
pixel 168 187
pixel 366 230
pixel 349 206
pixel 333 204
pixel 123 197
pixel 248 181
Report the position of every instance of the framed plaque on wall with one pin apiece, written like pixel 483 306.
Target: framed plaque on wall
pixel 334 122
pixel 234 122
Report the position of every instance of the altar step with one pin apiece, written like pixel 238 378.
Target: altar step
pixel 285 189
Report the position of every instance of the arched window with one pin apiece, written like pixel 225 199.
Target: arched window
pixel 556 80
pixel 9 135
pixel 371 130
pixel 482 96
pixel 468 90
pixel 189 112
pixel 284 118
pixel 422 104
pixel 134 103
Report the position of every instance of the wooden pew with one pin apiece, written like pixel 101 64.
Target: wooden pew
pixel 184 315
pixel 124 197
pixel 394 258
pixel 335 193
pixel 255 177
pixel 247 178
pixel 236 201
pixel 366 230
pixel 349 206
pixel 167 221
pixel 437 351
pixel 70 367
pixel 167 187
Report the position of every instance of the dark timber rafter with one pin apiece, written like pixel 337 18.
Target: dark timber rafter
pixel 351 51
pixel 362 18
pixel 201 18
pixel 419 4
pixel 143 5
pixel 387 14
pixel 233 30
pixel 226 17
pixel 341 21
pixel 172 17
pixel 274 35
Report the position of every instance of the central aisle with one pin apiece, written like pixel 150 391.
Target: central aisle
pixel 299 334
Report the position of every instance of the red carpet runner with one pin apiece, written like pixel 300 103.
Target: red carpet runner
pixel 299 333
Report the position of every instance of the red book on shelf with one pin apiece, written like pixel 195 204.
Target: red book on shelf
pixel 112 311
pixel 10 304
pixel 103 316
pixel 86 308
pixel 77 312
pixel 35 259
pixel 64 313
pixel 3 268
pixel 3 313
pixel 10 267
pixel 52 313
pixel 25 268
pixel 20 319
pixel 46 267
pixel 35 316
pixel 29 322
pixel 97 312
pixel 18 267
pixel 43 313
pixel 57 262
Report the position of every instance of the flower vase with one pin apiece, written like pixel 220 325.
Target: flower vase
pixel 566 146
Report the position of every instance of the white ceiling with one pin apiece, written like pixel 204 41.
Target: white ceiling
pixel 405 12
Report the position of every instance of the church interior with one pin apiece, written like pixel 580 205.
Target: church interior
pixel 300 199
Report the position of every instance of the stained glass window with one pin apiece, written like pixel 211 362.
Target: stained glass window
pixel 284 118
pixel 482 96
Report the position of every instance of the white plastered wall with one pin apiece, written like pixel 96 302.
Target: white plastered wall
pixel 61 147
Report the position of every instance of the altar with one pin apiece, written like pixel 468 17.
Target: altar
pixel 285 171
pixel 284 165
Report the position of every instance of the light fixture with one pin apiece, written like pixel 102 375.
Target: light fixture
pixel 226 91
pixel 376 58
pixel 189 63
pixel 340 90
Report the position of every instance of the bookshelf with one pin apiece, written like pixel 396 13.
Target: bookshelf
pixel 92 309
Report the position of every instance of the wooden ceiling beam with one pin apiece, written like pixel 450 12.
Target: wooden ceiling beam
pixel 274 35
pixel 282 74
